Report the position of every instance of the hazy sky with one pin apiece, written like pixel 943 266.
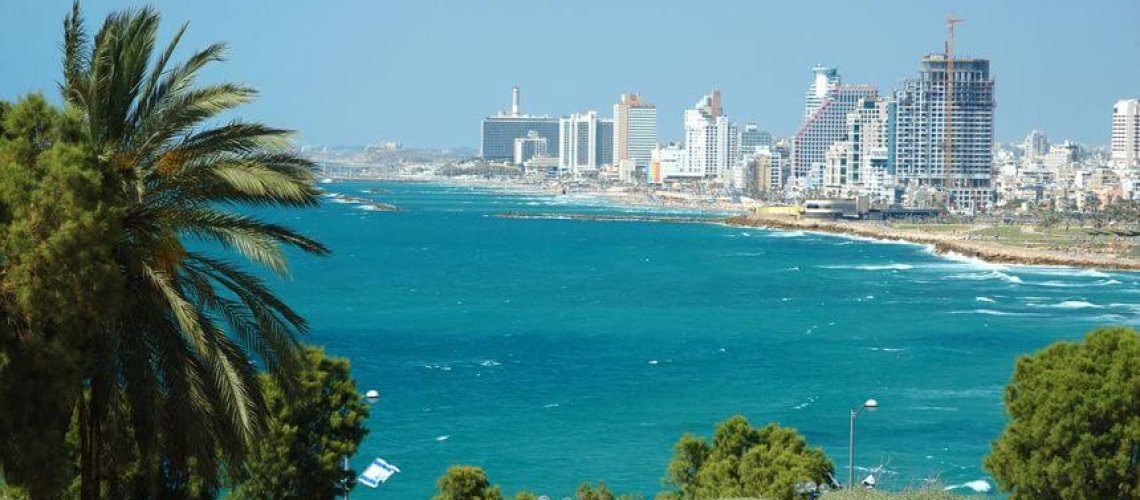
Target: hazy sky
pixel 424 72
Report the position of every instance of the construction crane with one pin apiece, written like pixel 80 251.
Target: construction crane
pixel 947 154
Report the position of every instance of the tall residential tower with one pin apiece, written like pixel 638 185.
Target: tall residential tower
pixel 635 131
pixel 922 134
pixel 1126 134
pixel 710 140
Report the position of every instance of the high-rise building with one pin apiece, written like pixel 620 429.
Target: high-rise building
pixel 871 139
pixel 922 137
pixel 1036 146
pixel 586 142
pixel 710 139
pixel 1126 134
pixel 823 80
pixel 635 130
pixel 752 138
pixel 529 147
pixel 827 124
pixel 498 133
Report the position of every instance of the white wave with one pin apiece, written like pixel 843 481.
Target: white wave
pixel 985 299
pixel 653 361
pixel 977 486
pixel 971 261
pixel 490 362
pixel 1068 271
pixel 1069 304
pixel 444 437
pixel 987 276
pixel 992 312
pixel 934 408
pixel 550 405
pixel 873 267
pixel 1073 284
pixel 805 404
pixel 785 234
pixel 888 349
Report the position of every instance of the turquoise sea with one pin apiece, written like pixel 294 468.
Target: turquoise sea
pixel 552 352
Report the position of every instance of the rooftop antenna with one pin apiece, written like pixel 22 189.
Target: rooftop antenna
pixel 948 155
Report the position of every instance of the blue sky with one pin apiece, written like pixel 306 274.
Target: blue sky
pixel 425 71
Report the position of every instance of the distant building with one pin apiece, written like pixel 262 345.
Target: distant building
pixel 635 131
pixel 709 138
pixel 498 133
pixel 1126 134
pixel 836 168
pixel 767 169
pixel 530 146
pixel 1036 146
pixel 871 139
pixel 586 143
pixel 1062 155
pixel 670 163
pixel 921 132
pixel 827 123
pixel 824 79
pixel 752 138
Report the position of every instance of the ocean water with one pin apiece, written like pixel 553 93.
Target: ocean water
pixel 552 352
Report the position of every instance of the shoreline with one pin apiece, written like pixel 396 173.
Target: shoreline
pixel 942 244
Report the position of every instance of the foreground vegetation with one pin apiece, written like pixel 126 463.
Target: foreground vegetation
pixel 131 364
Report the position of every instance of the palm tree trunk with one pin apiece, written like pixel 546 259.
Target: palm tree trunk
pixel 88 446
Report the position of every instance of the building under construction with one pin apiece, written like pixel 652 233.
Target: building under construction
pixel 945 129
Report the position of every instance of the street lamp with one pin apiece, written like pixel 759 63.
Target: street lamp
pixel 371 397
pixel 868 405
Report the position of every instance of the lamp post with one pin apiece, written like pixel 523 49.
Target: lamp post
pixel 371 397
pixel 868 405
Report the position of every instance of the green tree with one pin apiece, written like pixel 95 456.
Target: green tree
pixel 466 482
pixel 58 285
pixel 742 461
pixel 1074 421
pixel 308 433
pixel 159 369
pixel 587 492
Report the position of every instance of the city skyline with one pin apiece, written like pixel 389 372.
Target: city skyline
pixel 377 80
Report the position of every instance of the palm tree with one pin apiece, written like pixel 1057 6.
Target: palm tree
pixel 174 376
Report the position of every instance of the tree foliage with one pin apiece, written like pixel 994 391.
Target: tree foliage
pixel 1074 421
pixel 466 482
pixel 58 284
pixel 108 316
pixel 309 432
pixel 742 461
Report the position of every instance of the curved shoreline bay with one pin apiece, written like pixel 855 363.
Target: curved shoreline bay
pixel 557 350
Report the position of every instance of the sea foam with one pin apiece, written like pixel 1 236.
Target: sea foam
pixel 873 267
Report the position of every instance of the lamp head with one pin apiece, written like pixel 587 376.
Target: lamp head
pixel 871 404
pixel 372 396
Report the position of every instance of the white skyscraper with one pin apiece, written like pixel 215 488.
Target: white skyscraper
pixel 1126 134
pixel 710 140
pixel 828 103
pixel 825 79
pixel 635 130
pixel 585 143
